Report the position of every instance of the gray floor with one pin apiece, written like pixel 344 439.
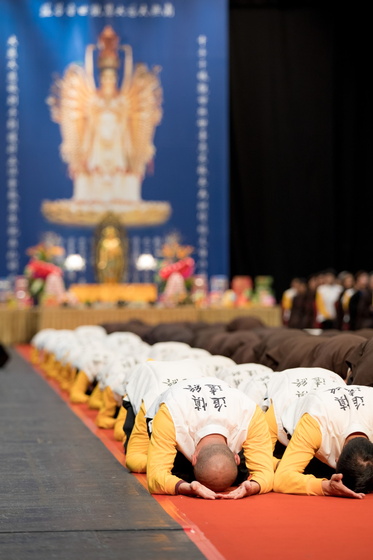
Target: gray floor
pixel 62 494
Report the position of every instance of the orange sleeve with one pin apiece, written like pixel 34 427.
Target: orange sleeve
pixel 161 454
pixel 257 450
pixel 119 434
pixel 138 443
pixel 289 477
pixel 270 417
pixel 320 306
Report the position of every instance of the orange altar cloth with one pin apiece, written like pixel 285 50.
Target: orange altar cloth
pixel 112 293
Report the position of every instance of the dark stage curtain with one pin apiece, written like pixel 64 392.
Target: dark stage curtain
pixel 301 138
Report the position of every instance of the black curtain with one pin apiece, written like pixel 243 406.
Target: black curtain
pixel 301 139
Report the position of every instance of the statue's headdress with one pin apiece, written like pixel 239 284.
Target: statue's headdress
pixel 108 42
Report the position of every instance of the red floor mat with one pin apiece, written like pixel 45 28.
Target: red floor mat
pixel 261 527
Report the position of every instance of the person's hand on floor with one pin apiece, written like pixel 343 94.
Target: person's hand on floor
pixel 247 488
pixel 196 489
pixel 335 487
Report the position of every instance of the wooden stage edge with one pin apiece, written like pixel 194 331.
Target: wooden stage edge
pixel 18 326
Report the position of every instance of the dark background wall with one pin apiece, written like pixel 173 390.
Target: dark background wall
pixel 301 138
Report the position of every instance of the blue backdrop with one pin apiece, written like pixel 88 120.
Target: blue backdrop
pixel 188 39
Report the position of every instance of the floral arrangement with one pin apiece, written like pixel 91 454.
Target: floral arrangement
pixel 185 267
pixel 44 259
pixel 46 251
pixel 175 270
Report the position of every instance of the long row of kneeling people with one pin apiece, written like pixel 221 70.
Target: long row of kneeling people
pixel 202 425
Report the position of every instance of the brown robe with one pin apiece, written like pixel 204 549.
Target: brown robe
pixel 361 364
pixel 228 343
pixel 334 353
pixel 293 352
pixel 271 339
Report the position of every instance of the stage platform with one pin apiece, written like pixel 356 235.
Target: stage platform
pixel 18 326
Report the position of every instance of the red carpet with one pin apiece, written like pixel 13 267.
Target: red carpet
pixel 272 526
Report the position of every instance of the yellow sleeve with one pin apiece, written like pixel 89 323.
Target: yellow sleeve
pixel 320 306
pixel 257 450
pixel 138 443
pixel 289 477
pixel 346 300
pixel 286 301
pixel 106 415
pixel 270 417
pixel 161 454
pixel 119 434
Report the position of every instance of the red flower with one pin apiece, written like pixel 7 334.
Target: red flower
pixel 185 267
pixel 42 269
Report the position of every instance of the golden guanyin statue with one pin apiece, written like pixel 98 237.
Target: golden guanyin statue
pixel 110 263
pixel 110 251
pixel 107 130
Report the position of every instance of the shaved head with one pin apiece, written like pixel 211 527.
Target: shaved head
pixel 216 467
